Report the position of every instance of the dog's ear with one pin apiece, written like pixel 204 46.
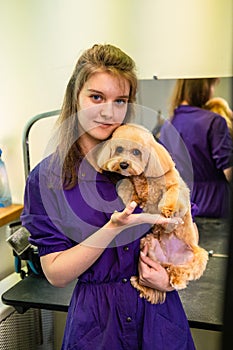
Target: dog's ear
pixel 159 162
pixel 104 154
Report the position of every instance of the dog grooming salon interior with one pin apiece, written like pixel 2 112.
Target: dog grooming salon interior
pixel 40 43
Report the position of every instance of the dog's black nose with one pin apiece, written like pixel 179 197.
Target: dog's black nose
pixel 124 165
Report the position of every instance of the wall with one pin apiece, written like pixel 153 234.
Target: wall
pixel 40 41
pixel 7 258
pixel 182 38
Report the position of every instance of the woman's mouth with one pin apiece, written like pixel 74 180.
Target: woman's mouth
pixel 104 125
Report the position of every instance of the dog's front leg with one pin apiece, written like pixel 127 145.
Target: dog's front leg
pixel 141 189
pixel 126 192
pixel 168 203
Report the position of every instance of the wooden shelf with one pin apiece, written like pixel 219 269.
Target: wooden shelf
pixel 10 213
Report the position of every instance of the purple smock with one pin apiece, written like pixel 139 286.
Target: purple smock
pixel 105 311
pixel 204 136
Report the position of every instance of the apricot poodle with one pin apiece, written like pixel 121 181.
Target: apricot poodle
pixel 152 181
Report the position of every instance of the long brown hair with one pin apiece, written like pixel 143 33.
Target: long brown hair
pixel 106 58
pixel 196 92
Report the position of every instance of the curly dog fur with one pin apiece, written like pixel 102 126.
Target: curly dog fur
pixel 152 181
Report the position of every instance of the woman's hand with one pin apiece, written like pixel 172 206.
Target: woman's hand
pixel 127 218
pixel 152 274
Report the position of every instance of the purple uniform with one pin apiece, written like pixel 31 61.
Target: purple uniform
pixel 208 142
pixel 105 312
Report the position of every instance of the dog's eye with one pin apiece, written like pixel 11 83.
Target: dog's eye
pixel 136 152
pixel 119 149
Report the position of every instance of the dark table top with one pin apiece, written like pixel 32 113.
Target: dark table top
pixel 36 292
pixel 202 299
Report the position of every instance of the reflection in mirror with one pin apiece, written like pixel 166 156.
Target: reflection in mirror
pixel 155 94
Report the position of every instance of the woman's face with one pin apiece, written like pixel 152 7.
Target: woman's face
pixel 102 106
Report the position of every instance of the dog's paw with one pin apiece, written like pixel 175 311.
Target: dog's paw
pixel 167 212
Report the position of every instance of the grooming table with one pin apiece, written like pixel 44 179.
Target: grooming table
pixel 203 299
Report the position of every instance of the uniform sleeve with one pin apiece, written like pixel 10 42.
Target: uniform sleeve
pixel 45 234
pixel 221 143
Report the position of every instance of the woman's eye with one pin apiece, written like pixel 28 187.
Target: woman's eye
pixel 120 102
pixel 96 98
pixel 136 152
pixel 119 149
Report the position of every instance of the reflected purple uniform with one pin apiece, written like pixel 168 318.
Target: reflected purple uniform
pixel 208 142
pixel 105 312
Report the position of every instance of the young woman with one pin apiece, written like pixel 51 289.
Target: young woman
pixel 71 221
pixel 207 140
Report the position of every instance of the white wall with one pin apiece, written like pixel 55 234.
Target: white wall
pixel 41 40
pixel 182 38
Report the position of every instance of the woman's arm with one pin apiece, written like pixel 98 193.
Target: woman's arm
pixel 61 268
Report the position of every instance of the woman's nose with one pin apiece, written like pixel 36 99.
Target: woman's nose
pixel 107 111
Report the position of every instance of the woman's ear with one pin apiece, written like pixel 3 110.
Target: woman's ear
pixel 159 162
pixel 104 155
